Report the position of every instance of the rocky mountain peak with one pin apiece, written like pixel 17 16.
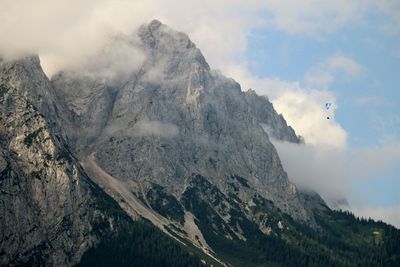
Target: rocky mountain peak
pixel 160 36
pixel 171 47
pixel 26 78
pixel 174 118
pixel 22 72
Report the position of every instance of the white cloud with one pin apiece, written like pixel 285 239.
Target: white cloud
pixel 117 59
pixel 157 128
pixel 67 32
pixel 346 64
pixel 319 78
pixel 332 171
pixel 302 108
pixel 321 168
pixel 323 74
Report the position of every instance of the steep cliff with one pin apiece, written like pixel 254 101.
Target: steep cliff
pixel 175 117
pixel 51 213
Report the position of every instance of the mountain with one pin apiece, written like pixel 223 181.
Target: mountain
pixel 51 211
pixel 169 164
pixel 187 121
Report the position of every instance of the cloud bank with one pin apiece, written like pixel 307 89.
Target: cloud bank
pixel 330 171
pixel 303 108
pixel 323 74
pixel 65 32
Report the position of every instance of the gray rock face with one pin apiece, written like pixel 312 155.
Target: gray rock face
pixel 173 142
pixel 274 124
pixel 47 204
pixel 28 79
pixel 175 117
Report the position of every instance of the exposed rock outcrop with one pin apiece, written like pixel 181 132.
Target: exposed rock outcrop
pixel 51 213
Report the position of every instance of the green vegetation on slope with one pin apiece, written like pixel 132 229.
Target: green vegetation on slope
pixel 139 244
pixel 165 204
pixel 341 240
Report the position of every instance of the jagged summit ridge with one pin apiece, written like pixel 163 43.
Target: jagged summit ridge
pixel 216 127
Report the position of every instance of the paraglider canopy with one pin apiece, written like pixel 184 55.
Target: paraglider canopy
pixel 327 107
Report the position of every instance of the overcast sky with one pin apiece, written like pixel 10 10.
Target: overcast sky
pixel 301 54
